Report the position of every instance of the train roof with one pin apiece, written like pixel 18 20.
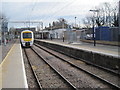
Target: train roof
pixel 27 31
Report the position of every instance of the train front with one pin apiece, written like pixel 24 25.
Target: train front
pixel 27 38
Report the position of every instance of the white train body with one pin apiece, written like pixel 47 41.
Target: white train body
pixel 27 38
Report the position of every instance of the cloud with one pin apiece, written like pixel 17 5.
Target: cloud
pixel 48 10
pixel 15 10
pixel 34 0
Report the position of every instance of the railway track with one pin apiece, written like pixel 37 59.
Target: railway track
pixel 102 77
pixel 69 85
pixel 117 72
pixel 35 76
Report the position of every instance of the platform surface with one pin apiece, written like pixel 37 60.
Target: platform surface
pixel 12 69
pixel 102 49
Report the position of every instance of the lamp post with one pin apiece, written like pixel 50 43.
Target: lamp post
pixel 94 26
pixel 75 22
pixel 63 29
pixel 119 25
pixel 42 30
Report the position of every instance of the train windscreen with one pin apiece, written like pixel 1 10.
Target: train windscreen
pixel 27 35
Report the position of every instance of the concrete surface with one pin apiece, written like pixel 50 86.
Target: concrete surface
pixel 12 67
pixel 96 55
pixel 99 48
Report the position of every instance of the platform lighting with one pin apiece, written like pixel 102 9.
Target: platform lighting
pixel 94 26
pixel 75 22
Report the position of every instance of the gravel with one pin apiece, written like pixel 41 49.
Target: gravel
pixel 75 76
pixel 47 77
pixel 30 77
pixel 97 71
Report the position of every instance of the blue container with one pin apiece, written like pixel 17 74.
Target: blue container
pixel 103 33
pixel 97 33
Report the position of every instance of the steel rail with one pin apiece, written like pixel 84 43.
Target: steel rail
pixel 87 62
pixel 74 87
pixel 40 86
pixel 93 75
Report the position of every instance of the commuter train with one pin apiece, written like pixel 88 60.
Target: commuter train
pixel 26 38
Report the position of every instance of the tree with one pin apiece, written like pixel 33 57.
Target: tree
pixel 61 23
pixel 49 25
pixel 3 23
pixel 53 23
pixel 104 15
pixel 107 15
pixel 88 21
pixel 115 17
pixel 3 18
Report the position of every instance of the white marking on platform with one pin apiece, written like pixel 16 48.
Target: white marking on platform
pixel 13 73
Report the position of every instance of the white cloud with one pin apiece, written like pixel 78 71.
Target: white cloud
pixel 34 0
pixel 48 10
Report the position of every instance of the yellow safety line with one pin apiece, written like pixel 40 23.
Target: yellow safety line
pixel 7 55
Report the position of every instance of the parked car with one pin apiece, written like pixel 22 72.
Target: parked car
pixel 89 36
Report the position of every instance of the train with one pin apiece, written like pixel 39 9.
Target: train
pixel 27 38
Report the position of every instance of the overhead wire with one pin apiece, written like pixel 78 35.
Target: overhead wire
pixel 45 11
pixel 61 9
pixel 33 8
pixel 53 14
pixel 28 17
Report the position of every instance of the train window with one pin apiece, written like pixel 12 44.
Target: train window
pixel 27 35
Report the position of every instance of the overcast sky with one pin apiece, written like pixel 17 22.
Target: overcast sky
pixel 49 10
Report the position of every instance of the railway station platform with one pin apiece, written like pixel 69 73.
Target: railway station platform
pixel 103 49
pixel 103 55
pixel 12 71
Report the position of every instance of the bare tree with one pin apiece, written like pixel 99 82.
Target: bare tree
pixel 3 20
pixel 115 18
pixel 107 15
pixel 104 16
pixel 3 17
pixel 88 21
pixel 61 23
